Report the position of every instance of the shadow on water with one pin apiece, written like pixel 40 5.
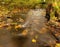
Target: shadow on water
pixel 20 40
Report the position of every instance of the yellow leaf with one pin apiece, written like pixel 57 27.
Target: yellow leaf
pixel 57 45
pixel 25 32
pixel 34 40
pixel 18 26
pixel 0 26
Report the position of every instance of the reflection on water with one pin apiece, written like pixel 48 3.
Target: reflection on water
pixel 36 36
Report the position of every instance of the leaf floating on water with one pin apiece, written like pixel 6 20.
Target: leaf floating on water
pixel 25 32
pixel 18 26
pixel 57 45
pixel 34 40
